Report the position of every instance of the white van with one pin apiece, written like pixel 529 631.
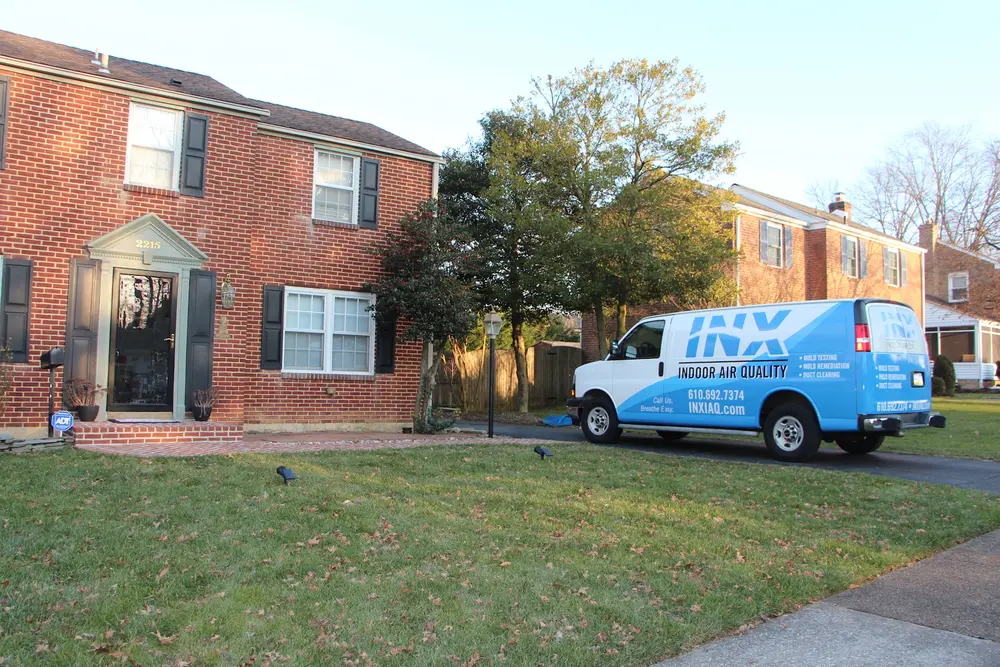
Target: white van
pixel 849 371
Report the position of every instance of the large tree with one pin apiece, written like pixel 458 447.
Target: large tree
pixel 496 192
pixel 425 282
pixel 624 134
pixel 940 175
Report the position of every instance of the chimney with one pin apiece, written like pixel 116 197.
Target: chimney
pixel 840 206
pixel 929 234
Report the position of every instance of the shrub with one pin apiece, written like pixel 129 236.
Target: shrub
pixel 944 369
pixel 80 393
pixel 938 387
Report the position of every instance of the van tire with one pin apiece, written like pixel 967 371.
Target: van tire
pixel 858 443
pixel 599 421
pixel 791 432
pixel 672 436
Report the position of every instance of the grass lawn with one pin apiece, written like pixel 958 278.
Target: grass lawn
pixel 973 430
pixel 436 556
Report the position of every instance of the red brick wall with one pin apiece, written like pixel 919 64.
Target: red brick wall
pixel 984 278
pixel 842 286
pixel 62 187
pixel 295 251
pixel 762 283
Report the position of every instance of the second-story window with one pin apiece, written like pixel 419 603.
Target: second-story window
pixel 775 245
pixel 958 287
pixel 892 270
pixel 335 183
pixel 849 259
pixel 154 147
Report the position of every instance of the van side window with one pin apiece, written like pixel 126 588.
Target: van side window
pixel 643 342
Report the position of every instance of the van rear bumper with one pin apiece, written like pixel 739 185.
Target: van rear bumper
pixel 899 422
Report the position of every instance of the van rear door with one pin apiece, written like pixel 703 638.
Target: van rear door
pixel 893 367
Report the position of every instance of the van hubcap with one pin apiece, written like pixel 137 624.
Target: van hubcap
pixel 598 421
pixel 788 434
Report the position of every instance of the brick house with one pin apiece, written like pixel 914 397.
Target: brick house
pixel 794 252
pixel 173 235
pixel 963 309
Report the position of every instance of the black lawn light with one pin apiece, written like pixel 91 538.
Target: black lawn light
pixel 286 474
pixel 542 451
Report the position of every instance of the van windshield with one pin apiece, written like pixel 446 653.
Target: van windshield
pixel 895 329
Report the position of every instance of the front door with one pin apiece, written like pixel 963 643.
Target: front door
pixel 142 341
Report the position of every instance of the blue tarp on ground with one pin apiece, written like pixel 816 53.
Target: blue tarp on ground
pixel 557 420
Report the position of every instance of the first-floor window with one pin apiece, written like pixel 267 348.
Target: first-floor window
pixel 328 331
pixel 892 267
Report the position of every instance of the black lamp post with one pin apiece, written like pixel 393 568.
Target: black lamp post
pixel 492 323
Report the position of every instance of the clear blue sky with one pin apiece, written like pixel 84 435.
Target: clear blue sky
pixel 813 91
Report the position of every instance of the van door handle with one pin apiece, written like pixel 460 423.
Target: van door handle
pixel 661 369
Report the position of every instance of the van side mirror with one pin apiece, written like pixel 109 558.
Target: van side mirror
pixel 614 348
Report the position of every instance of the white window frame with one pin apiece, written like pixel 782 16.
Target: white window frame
pixel 951 286
pixel 328 331
pixel 781 245
pixel 175 178
pixel 856 254
pixel 356 162
pixel 899 268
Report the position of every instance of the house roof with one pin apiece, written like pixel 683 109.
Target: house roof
pixel 818 213
pixel 124 71
pixel 962 309
pixel 77 60
pixel 334 126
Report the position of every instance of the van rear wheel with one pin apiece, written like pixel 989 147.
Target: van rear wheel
pixel 857 443
pixel 599 421
pixel 791 432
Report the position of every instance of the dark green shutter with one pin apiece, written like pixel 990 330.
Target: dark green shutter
pixel 200 334
pixel 788 247
pixel 273 324
pixel 845 256
pixel 385 345
pixel 370 175
pixel 863 253
pixel 193 155
pixel 4 106
pixel 763 241
pixel 902 268
pixel 886 273
pixel 15 305
pixel 82 319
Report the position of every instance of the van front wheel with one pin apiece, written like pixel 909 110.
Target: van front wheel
pixel 857 443
pixel 791 432
pixel 600 421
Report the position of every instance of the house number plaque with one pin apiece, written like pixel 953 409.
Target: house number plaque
pixel 147 245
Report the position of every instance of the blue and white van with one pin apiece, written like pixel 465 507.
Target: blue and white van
pixel 851 371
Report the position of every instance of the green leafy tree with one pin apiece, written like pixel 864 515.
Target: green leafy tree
pixel 426 282
pixel 497 193
pixel 623 136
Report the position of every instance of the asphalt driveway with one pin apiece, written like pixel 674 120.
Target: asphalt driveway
pixel 963 473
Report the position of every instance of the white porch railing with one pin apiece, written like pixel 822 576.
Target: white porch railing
pixel 973 371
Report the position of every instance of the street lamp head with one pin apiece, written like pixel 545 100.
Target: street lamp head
pixel 493 323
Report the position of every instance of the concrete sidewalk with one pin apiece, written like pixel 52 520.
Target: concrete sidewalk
pixel 941 611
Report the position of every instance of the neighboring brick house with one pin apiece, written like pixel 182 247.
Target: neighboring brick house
pixel 963 308
pixel 793 252
pixel 173 235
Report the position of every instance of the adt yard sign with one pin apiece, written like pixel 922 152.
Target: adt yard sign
pixel 62 421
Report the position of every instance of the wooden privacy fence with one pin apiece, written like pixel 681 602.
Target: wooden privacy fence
pixel 463 379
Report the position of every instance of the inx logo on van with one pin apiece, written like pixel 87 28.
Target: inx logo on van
pixel 726 339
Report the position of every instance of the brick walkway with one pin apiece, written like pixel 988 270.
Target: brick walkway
pixel 303 442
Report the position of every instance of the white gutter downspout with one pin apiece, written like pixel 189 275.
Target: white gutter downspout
pixel 434 180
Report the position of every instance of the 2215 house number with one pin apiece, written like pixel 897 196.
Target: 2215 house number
pixel 147 245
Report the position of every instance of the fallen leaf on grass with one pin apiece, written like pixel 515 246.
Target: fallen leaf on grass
pixel 506 563
pixel 162 573
pixel 164 640
pixel 696 607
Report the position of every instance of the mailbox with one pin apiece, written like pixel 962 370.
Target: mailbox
pixel 52 359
